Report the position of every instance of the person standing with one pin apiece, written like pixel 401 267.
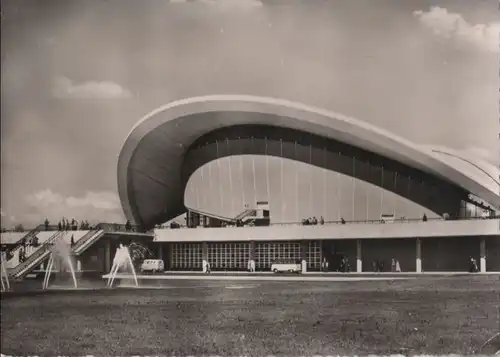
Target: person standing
pixel 324 265
pixel 398 267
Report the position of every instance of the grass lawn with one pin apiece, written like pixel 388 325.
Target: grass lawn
pixel 418 316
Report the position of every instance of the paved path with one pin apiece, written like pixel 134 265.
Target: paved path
pixel 275 277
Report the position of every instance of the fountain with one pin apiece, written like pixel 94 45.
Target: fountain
pixel 4 274
pixel 60 259
pixel 121 260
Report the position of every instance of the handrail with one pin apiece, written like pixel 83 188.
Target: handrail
pixel 115 227
pixel 375 221
pixel 211 215
pixel 85 239
pixel 54 228
pixel 29 231
pixel 38 253
pixel 244 214
pixel 25 238
pixel 30 234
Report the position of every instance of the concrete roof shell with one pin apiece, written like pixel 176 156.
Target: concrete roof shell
pixel 148 189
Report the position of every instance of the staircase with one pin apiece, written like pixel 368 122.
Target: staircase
pixel 29 235
pixel 21 270
pixel 245 213
pixel 25 238
pixel 212 215
pixel 87 240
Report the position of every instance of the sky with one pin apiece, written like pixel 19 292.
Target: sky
pixel 78 74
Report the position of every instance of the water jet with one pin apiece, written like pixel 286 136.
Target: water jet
pixel 60 261
pixel 121 260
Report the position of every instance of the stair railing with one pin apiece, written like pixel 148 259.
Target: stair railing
pixel 89 235
pixel 32 259
pixel 244 214
pixel 211 215
pixel 25 238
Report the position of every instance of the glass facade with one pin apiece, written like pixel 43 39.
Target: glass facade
pixel 230 256
pixel 419 187
pixel 234 256
pixel 186 256
pixel 313 255
pixel 267 253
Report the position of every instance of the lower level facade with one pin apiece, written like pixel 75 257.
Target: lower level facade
pixel 414 255
pixel 417 255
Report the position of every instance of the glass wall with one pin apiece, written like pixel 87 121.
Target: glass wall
pixel 186 256
pixel 230 256
pixel 267 253
pixel 313 255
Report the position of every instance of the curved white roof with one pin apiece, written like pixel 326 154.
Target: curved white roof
pixel 149 163
pixel 481 171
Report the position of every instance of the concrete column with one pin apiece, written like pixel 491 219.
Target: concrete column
pixel 482 255
pixel 204 256
pixel 303 255
pixel 160 251
pixel 419 255
pixel 78 265
pixel 107 256
pixel 170 253
pixel 359 256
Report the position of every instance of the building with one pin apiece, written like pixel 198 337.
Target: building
pixel 164 149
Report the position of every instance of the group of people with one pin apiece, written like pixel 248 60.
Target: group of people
pixel 341 266
pixel 24 244
pixel 66 225
pixel 379 266
pixel 312 221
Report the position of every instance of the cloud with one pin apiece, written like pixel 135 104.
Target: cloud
pixel 95 206
pixel 451 25
pixel 64 88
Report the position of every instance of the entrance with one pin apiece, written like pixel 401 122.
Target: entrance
pixel 337 255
